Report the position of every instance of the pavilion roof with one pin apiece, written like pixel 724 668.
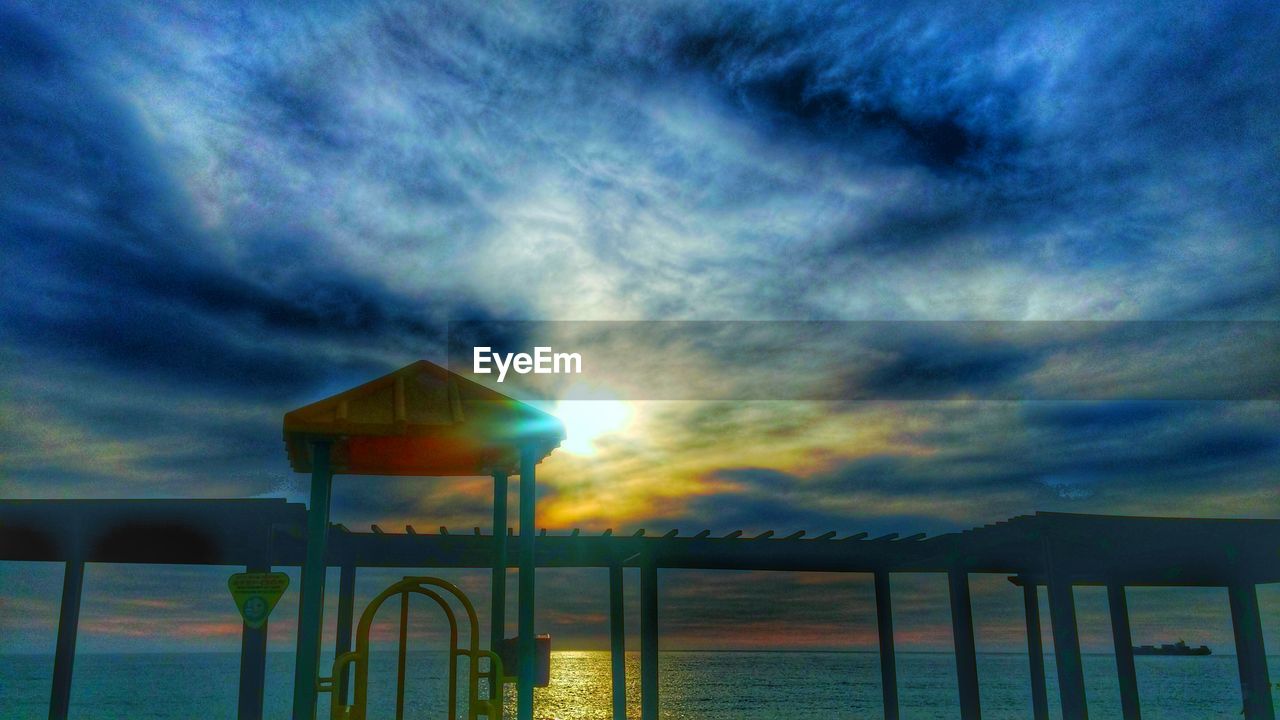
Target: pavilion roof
pixel 420 420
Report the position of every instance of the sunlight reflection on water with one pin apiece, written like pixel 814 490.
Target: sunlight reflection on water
pixel 782 686
pixel 694 686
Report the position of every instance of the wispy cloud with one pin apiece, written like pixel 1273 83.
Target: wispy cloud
pixel 211 215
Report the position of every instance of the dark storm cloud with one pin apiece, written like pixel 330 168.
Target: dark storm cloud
pixel 301 109
pixel 1098 456
pixel 786 513
pixel 1011 123
pixel 800 92
pixel 1074 121
pixel 937 368
pixel 1171 440
pixel 767 499
pixel 108 264
pixel 1102 417
pixel 870 93
pixel 1003 459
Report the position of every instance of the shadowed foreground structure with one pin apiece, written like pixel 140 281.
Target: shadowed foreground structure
pixel 1054 550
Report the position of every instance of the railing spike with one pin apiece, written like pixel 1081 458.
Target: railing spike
pixel 795 535
pixel 703 534
pixel 671 534
pixel 764 535
pixel 733 535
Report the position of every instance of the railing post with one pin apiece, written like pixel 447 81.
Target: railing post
pixel 498 583
pixel 648 639
pixel 1123 641
pixel 342 638
pixel 966 652
pixel 498 578
pixel 888 658
pixel 311 603
pixel 617 642
pixel 1035 652
pixel 526 642
pixel 68 626
pixel 1251 653
pixel 403 656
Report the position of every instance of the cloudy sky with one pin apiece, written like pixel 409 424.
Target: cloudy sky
pixel 212 214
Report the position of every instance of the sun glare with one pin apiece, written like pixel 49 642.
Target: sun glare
pixel 588 420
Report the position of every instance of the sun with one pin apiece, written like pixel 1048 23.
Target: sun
pixel 588 420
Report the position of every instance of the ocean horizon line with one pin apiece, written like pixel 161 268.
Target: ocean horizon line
pixel 1049 654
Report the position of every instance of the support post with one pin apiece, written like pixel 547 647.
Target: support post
pixel 528 495
pixel 966 652
pixel 1251 653
pixel 342 638
pixel 402 657
pixel 648 639
pixel 311 603
pixel 888 658
pixel 1066 649
pixel 617 642
pixel 68 626
pixel 253 655
pixel 1035 652
pixel 1123 639
pixel 498 583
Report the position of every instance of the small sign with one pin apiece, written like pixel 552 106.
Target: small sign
pixel 256 595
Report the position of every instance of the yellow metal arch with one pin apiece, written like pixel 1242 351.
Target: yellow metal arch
pixel 488 707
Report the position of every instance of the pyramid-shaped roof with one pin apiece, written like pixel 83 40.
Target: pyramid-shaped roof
pixel 420 420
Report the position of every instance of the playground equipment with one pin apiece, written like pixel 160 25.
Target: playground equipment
pixel 423 421
pixel 488 706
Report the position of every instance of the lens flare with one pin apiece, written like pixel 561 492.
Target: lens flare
pixel 589 417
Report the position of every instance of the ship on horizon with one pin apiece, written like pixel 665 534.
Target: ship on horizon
pixel 1178 648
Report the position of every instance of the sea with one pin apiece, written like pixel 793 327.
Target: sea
pixel 693 686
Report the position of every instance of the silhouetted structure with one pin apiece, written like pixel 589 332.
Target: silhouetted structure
pixel 425 421
pixel 1054 550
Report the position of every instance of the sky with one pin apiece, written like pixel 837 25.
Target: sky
pixel 214 213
